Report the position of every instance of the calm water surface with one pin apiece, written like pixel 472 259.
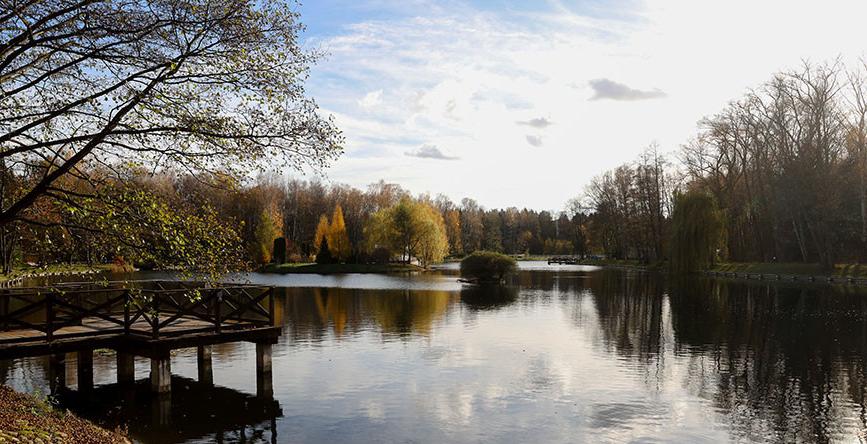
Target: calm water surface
pixel 562 354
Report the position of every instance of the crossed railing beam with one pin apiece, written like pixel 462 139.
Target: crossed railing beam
pixel 50 309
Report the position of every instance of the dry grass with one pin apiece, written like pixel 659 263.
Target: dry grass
pixel 27 419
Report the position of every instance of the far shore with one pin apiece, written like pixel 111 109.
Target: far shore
pixel 293 268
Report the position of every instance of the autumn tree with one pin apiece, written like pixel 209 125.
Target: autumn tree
pixel 412 229
pixel 321 233
pixel 338 239
pixel 204 86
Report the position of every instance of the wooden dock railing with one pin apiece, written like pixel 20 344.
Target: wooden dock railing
pixel 153 309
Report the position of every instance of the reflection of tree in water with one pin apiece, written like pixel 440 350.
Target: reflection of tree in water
pixel 310 312
pixel 563 281
pixel 786 361
pixel 488 297
pixel 630 311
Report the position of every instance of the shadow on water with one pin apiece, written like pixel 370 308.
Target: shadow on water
pixel 193 411
pixel 488 297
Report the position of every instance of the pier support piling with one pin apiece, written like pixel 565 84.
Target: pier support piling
pixel 206 370
pixel 125 368
pixel 84 367
pixel 56 371
pixel 264 386
pixel 161 374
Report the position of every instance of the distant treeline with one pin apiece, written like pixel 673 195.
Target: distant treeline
pixel 468 226
pixel 786 166
pixel 182 220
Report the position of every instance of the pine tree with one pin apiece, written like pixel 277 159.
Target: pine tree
pixel 324 255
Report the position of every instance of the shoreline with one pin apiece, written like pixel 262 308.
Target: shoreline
pixel 26 418
pixel 326 269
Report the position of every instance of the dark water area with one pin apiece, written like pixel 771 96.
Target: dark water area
pixel 561 354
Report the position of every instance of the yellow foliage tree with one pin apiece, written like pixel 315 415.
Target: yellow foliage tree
pixel 338 238
pixel 321 233
pixel 410 228
pixel 266 231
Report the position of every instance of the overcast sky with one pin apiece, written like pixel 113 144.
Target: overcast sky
pixel 521 103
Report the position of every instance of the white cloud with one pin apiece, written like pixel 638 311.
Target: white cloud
pixel 539 122
pixel 609 89
pixel 371 99
pixel 534 140
pixel 464 78
pixel 428 151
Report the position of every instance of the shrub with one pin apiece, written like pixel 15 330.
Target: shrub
pixel 487 266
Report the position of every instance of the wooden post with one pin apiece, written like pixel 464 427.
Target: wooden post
pixel 161 374
pixel 126 315
pixel 264 386
pixel 156 315
pixel 49 316
pixel 56 371
pixel 206 370
pixel 125 368
pixel 271 307
pixel 84 366
pixel 218 311
pixel 161 410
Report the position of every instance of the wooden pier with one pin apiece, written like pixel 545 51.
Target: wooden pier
pixel 141 318
pixel 564 260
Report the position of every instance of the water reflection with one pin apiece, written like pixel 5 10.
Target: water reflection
pixel 787 362
pixel 313 313
pixel 488 297
pixel 563 355
pixel 192 411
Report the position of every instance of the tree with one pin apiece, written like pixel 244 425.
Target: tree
pixel 279 256
pixel 414 229
pixel 452 220
pixel 321 232
pixel 338 239
pixel 206 86
pixel 324 255
pixel 697 232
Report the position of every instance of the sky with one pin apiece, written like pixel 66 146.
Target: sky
pixel 522 103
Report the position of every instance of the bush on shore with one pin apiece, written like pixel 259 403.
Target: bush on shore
pixel 487 266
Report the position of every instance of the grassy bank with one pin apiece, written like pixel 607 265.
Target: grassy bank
pixel 338 268
pixel 840 270
pixel 29 272
pixel 25 418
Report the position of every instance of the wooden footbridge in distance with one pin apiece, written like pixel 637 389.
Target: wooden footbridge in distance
pixel 138 318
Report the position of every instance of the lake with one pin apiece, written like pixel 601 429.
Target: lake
pixel 561 354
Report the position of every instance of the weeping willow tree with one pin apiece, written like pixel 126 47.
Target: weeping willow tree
pixel 697 232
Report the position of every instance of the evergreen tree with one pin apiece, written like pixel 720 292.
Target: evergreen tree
pixel 279 255
pixel 324 255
